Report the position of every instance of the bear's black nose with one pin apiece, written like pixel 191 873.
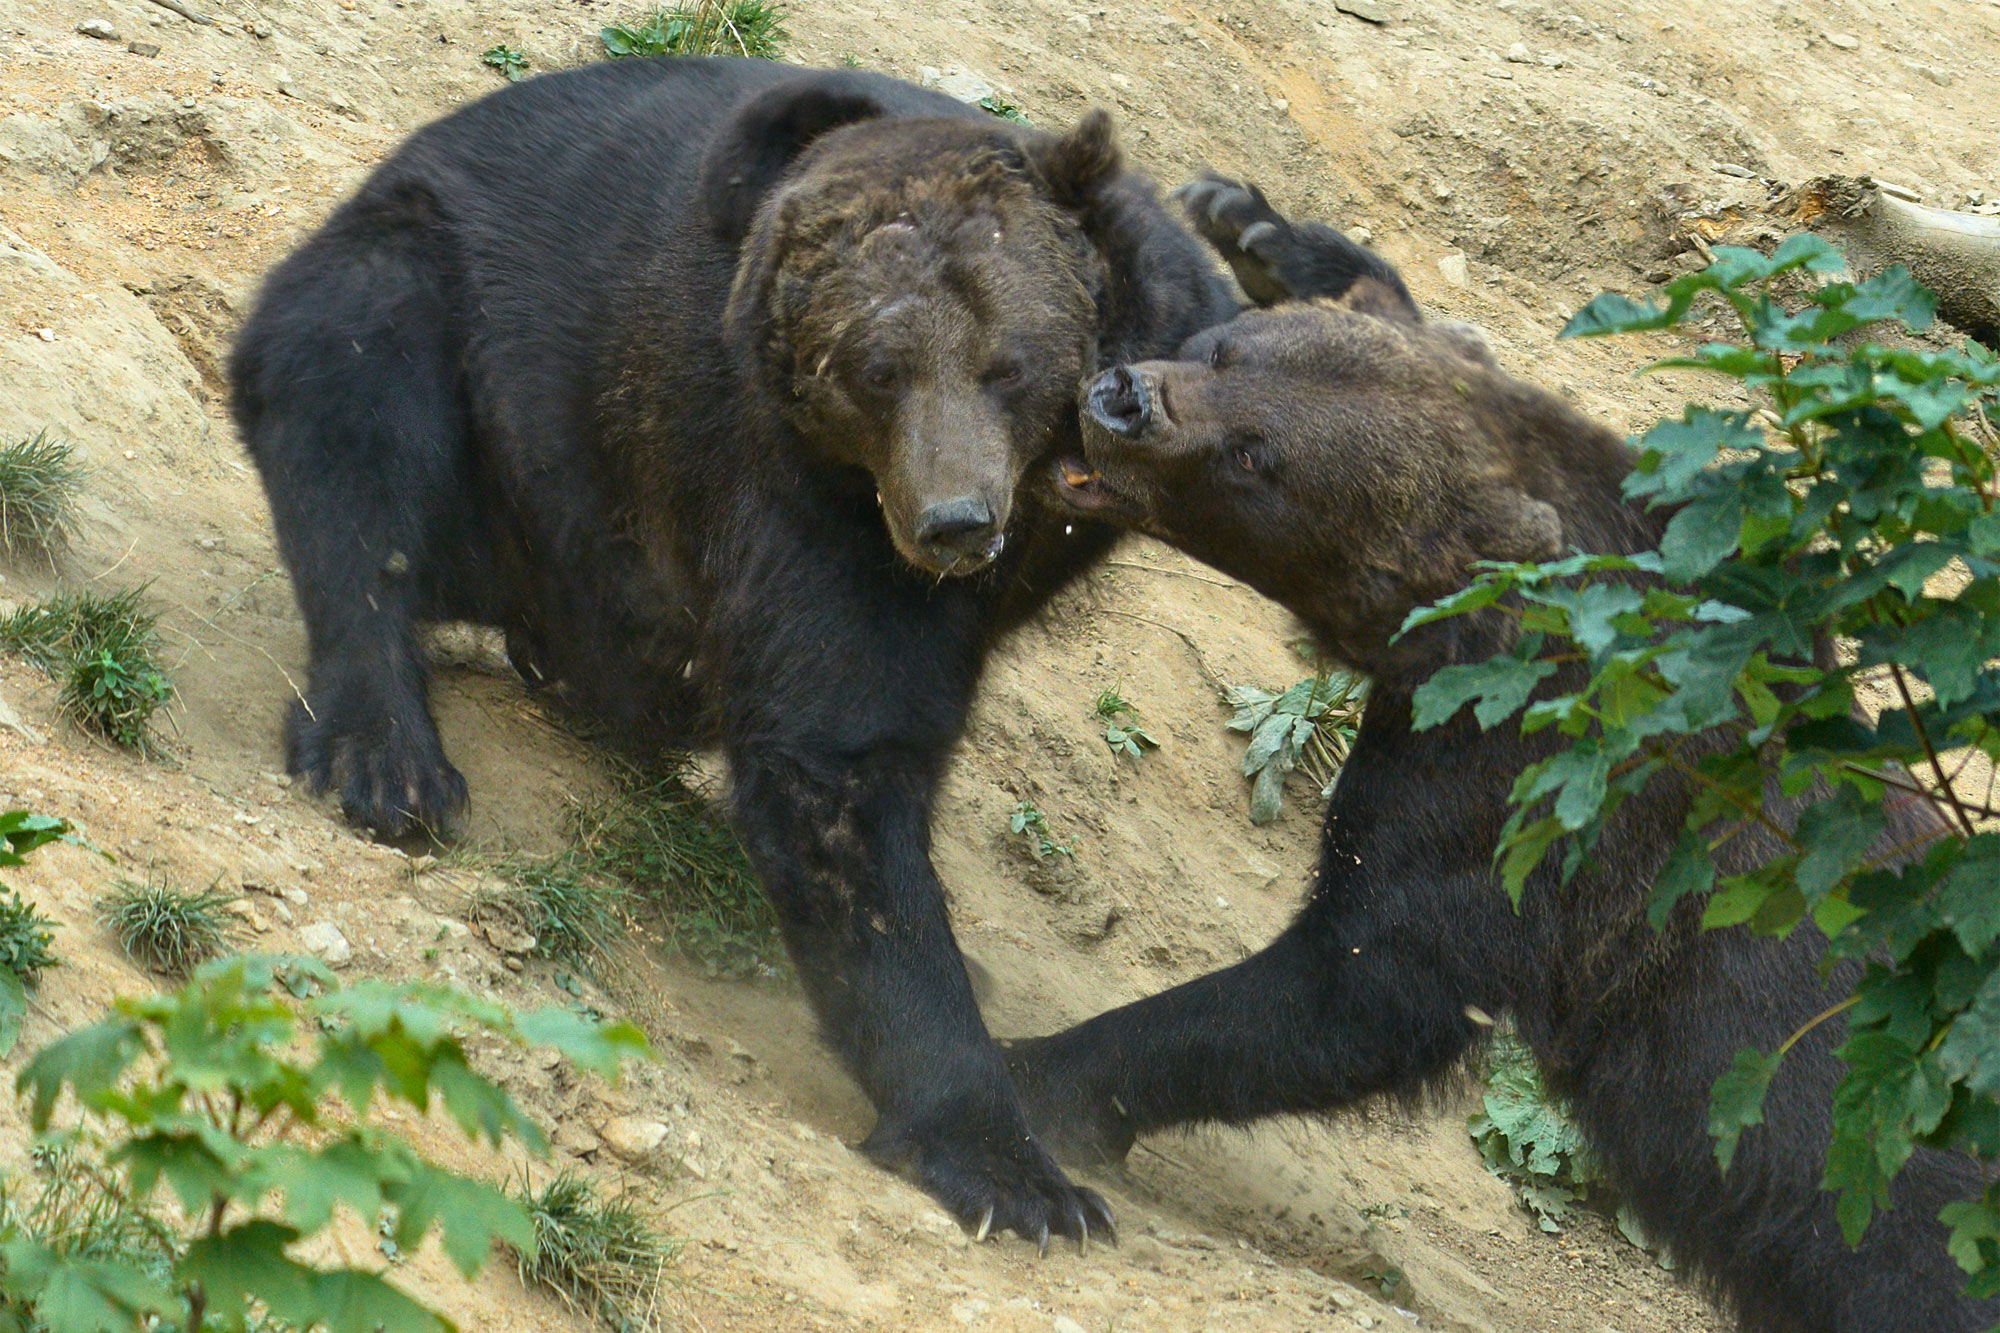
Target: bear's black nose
pixel 957 528
pixel 1120 403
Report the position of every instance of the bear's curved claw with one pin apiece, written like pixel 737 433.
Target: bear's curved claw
pixel 993 1181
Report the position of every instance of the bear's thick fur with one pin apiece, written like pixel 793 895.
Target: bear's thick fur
pixel 727 389
pixel 1350 460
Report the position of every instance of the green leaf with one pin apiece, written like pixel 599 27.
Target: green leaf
pixel 470 1215
pixel 597 1045
pixel 1500 684
pixel 77 1295
pixel 1689 869
pixel 355 1302
pixel 248 1262
pixel 90 1061
pixel 1700 535
pixel 1969 894
pixel 13 1008
pixel 1835 836
pixel 1737 1102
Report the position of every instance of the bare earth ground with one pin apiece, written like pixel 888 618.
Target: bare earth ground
pixel 1549 146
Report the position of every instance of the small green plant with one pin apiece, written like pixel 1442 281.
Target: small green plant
pixel 1033 825
pixel 1528 1140
pixel 102 648
pixel 39 478
pixel 1382 1211
pixel 599 1256
pixel 507 60
pixel 703 28
pixel 224 1092
pixel 164 928
pixel 1309 726
pixel 1388 1280
pixel 27 938
pixel 1122 731
pixel 995 104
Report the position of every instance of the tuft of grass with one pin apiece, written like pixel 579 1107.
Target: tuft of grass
pixel 658 842
pixel 27 938
pixel 703 28
pixel 102 647
pixel 39 479
pixel 167 929
pixel 571 912
pixel 506 60
pixel 599 1256
pixel 82 1212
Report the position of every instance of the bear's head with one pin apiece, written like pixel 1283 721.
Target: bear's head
pixel 921 296
pixel 1350 461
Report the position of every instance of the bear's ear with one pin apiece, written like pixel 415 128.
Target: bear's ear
pixel 1503 523
pixel 1077 165
pixel 1381 297
pixel 1465 339
pixel 766 134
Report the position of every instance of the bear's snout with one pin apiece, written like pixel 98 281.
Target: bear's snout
pixel 961 529
pixel 1121 403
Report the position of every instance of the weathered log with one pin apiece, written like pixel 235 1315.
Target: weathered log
pixel 1956 255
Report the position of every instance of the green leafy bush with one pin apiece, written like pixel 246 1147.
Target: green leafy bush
pixel 225 1093
pixel 703 28
pixel 1855 501
pixel 39 479
pixel 103 649
pixel 597 1255
pixel 1527 1140
pixel 27 938
pixel 164 928
pixel 996 105
pixel 1310 725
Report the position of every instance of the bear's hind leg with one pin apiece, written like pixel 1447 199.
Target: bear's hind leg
pixel 348 395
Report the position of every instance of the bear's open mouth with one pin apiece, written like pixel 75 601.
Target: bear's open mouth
pixel 1082 486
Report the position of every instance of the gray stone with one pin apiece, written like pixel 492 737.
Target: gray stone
pixel 1845 41
pixel 1365 10
pixel 1733 169
pixel 1520 54
pixel 146 49
pixel 632 1137
pixel 1454 269
pixel 324 939
pixel 101 29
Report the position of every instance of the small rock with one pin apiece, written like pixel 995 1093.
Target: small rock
pixel 1281 105
pixel 260 29
pixel 513 964
pixel 1365 10
pixel 1734 169
pixel 1454 268
pixel 575 1139
pixel 1554 61
pixel 324 939
pixel 1361 236
pixel 1442 191
pixel 1845 41
pixel 283 911
pixel 11 721
pixel 507 939
pixel 295 896
pixel 1519 54
pixel 101 29
pixel 1498 73
pixel 632 1137
pixel 46 335
pixel 146 49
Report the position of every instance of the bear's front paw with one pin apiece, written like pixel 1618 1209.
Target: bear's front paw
pixel 1235 218
pixel 391 770
pixel 992 1177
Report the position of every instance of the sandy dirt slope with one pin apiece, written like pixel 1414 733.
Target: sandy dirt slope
pixel 1513 157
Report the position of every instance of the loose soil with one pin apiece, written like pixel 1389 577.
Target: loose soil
pixel 1514 158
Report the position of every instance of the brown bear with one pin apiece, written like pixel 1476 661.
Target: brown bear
pixel 727 390
pixel 1350 459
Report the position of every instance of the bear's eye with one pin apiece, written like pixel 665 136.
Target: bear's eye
pixel 1245 461
pixel 881 378
pixel 1005 374
pixel 1218 356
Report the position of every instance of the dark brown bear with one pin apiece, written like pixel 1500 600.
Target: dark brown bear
pixel 715 384
pixel 1350 460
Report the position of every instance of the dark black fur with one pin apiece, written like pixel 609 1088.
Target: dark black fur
pixel 1405 942
pixel 497 387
